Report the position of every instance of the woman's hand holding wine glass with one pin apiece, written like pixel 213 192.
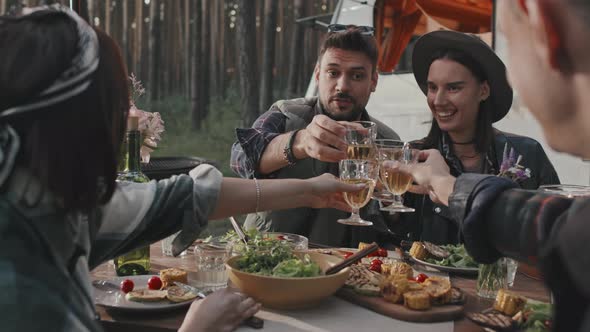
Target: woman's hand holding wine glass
pixel 357 171
pixel 393 155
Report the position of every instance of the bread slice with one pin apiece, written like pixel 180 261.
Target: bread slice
pixel 418 251
pixel 179 294
pixel 414 286
pixel 146 295
pixel 169 276
pixel 393 288
pixel 417 300
pixel 508 302
pixel 439 289
pixel 400 268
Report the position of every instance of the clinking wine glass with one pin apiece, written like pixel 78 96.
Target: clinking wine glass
pixel 360 136
pixel 380 193
pixel 392 154
pixel 355 171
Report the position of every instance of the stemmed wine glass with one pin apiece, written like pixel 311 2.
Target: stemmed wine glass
pixel 391 154
pixel 360 136
pixel 381 194
pixel 357 171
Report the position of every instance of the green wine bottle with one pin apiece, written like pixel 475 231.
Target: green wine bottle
pixel 137 261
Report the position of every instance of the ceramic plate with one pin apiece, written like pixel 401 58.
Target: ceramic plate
pixel 451 269
pixel 112 298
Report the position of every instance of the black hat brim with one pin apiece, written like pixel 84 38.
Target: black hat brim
pixel 500 91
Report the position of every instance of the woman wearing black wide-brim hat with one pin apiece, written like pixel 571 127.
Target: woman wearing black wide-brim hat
pixel 467 91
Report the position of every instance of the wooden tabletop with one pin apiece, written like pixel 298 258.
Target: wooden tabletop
pixel 170 321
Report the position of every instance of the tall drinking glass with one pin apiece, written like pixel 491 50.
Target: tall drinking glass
pixel 392 154
pixel 357 171
pixel 360 136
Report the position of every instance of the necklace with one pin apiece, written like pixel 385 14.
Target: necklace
pixel 468 156
pixel 464 143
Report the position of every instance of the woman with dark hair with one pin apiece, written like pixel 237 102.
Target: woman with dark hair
pixel 63 104
pixel 466 89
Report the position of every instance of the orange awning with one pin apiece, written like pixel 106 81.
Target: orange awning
pixel 396 22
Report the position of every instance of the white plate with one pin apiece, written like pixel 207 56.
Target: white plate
pixel 115 299
pixel 451 269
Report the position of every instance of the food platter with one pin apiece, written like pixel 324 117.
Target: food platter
pixel 108 295
pixel 450 269
pixel 360 290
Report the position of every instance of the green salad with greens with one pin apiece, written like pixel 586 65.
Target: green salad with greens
pixel 458 257
pixel 536 317
pixel 274 257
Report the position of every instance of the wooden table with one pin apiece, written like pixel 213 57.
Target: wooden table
pixel 170 321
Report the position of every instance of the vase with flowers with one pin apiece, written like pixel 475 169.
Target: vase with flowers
pixel 149 125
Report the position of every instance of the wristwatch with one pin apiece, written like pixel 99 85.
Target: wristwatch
pixel 288 150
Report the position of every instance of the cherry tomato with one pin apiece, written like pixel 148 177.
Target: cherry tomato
pixel 375 267
pixel 280 237
pixel 348 254
pixel 127 286
pixel 381 252
pixel 421 277
pixel 155 283
pixel 376 261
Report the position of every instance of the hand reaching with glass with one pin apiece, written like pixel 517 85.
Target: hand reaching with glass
pixel 393 154
pixel 360 138
pixel 355 171
pixel 240 196
pixel 431 174
pixel 322 139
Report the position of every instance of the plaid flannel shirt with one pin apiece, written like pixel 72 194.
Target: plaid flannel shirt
pixel 251 142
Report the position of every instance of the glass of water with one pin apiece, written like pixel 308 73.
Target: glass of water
pixel 167 244
pixel 210 259
pixel 511 267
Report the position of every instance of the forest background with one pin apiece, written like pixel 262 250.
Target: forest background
pixel 209 66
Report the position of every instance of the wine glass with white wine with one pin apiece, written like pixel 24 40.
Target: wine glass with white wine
pixel 360 136
pixel 381 194
pixel 355 171
pixel 392 154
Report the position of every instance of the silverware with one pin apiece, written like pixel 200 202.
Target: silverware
pixel 200 293
pixel 105 285
pixel 239 230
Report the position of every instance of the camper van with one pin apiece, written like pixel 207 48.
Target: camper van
pixel 399 102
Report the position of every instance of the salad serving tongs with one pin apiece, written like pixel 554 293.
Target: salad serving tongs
pixel 357 256
pixel 239 230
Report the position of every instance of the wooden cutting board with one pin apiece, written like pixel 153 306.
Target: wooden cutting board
pixel 434 314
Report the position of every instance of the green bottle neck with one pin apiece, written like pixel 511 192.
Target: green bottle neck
pixel 130 166
pixel 133 156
